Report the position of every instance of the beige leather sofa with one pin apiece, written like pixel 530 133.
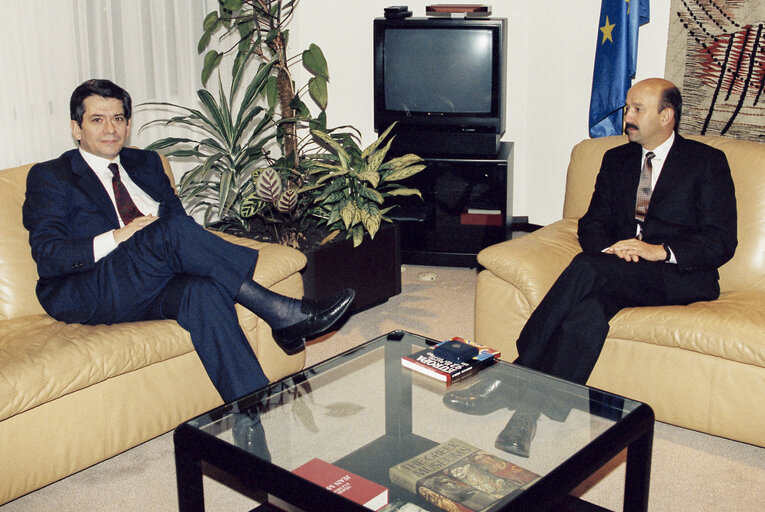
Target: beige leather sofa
pixel 73 395
pixel 700 366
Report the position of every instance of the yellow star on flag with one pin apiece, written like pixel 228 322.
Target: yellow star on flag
pixel 607 29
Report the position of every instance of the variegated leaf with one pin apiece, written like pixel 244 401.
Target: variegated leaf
pixel 404 173
pixel 268 185
pixel 371 176
pixel 349 213
pixel 251 205
pixel 287 201
pixel 405 192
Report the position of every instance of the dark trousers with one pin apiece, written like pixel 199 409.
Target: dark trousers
pixel 566 332
pixel 175 269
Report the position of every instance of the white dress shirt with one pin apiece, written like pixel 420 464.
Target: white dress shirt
pixel 657 163
pixel 104 243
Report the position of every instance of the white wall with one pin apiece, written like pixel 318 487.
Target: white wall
pixel 551 51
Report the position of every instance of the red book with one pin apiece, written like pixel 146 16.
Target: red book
pixel 349 485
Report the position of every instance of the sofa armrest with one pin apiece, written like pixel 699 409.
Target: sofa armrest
pixel 534 261
pixel 278 269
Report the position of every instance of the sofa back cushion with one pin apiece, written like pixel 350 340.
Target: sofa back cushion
pixel 18 271
pixel 746 270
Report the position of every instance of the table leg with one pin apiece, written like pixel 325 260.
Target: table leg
pixel 188 473
pixel 638 473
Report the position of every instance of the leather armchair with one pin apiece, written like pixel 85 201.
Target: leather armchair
pixel 700 366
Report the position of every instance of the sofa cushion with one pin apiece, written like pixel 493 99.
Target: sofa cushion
pixel 18 272
pixel 730 327
pixel 42 359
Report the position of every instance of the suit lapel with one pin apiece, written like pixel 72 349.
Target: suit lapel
pixel 672 171
pixel 136 169
pixel 88 181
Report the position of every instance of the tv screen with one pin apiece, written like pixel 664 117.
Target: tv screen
pixel 443 81
pixel 439 70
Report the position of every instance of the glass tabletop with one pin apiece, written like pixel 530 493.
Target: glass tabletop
pixel 364 412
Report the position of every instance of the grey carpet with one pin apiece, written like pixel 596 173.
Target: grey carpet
pixel 691 471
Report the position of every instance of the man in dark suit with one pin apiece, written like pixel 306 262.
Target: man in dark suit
pixel 113 243
pixel 661 220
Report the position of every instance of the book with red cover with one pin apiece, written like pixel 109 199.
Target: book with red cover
pixel 336 479
pixel 428 363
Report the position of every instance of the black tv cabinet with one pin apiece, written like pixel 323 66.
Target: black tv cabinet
pixel 466 206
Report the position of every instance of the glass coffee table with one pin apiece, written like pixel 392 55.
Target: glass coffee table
pixel 363 412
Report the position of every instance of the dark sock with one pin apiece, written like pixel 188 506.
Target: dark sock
pixel 277 310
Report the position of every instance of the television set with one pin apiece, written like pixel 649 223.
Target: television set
pixel 443 81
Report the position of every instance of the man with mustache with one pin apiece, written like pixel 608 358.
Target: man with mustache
pixel 661 221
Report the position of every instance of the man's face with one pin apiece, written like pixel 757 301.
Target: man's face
pixel 104 127
pixel 644 123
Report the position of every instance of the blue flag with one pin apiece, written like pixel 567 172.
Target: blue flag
pixel 615 62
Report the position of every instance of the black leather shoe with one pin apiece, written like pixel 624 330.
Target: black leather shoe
pixel 483 397
pixel 250 435
pixel 516 437
pixel 322 314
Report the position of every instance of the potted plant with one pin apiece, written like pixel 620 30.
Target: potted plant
pixel 264 163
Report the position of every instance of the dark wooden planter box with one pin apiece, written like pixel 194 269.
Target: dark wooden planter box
pixel 373 269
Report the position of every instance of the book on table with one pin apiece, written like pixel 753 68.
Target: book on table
pixel 436 362
pixel 336 479
pixel 457 476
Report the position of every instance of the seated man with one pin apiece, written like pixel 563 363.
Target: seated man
pixel 113 243
pixel 661 221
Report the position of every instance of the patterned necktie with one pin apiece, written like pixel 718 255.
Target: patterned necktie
pixel 125 205
pixel 644 188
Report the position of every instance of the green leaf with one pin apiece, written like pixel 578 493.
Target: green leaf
pixel 204 41
pixel 210 21
pixel 317 87
pixel 225 189
pixel 314 61
pixel 212 60
pixel 272 93
pixel 232 5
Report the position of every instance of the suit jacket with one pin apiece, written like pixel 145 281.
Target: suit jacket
pixel 692 209
pixel 66 206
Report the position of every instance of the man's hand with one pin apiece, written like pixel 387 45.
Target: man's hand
pixel 137 224
pixel 633 250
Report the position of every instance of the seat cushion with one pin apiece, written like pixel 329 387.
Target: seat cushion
pixel 42 359
pixel 730 327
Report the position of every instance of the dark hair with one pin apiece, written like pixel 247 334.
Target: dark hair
pixel 671 98
pixel 96 87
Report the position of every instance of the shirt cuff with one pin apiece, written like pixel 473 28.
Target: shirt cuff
pixel 103 244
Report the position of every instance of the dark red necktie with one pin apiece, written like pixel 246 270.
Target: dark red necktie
pixel 125 205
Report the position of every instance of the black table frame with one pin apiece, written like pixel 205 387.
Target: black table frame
pixel 551 492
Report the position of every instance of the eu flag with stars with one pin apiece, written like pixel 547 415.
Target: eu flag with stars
pixel 615 62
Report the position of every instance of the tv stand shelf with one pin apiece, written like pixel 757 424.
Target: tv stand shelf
pixel 467 205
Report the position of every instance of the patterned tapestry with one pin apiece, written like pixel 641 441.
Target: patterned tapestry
pixel 716 55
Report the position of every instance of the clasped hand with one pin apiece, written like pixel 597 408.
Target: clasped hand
pixel 136 225
pixel 633 250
